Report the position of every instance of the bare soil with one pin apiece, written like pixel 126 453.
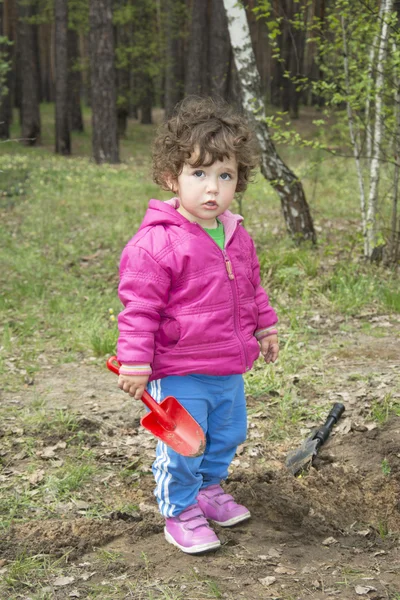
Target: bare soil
pixel 333 532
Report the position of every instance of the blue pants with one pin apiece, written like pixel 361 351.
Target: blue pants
pixel 218 404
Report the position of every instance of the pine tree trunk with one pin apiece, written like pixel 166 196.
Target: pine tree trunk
pixel 294 205
pixel 196 81
pixel 174 71
pixel 103 89
pixel 63 140
pixel 5 85
pixel 146 103
pixel 74 82
pixel 45 48
pixel 219 51
pixel 30 113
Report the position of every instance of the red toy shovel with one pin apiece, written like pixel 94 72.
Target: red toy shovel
pixel 169 422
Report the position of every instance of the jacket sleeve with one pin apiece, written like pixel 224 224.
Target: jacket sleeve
pixel 267 317
pixel 143 290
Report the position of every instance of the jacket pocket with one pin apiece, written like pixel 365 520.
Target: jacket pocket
pixel 248 314
pixel 168 334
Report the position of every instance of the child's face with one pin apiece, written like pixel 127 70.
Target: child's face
pixel 206 192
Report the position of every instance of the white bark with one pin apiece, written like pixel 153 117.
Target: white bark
pixel 353 138
pixel 376 146
pixel 371 61
pixel 284 181
pixel 395 236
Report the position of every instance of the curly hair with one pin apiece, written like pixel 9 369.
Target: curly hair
pixel 210 128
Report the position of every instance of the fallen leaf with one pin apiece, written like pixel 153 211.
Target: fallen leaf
pixel 36 477
pixel 307 570
pixel 85 575
pixel 344 426
pixel 282 570
pixel 62 581
pixel 266 581
pixel 47 452
pixel 364 532
pixel 362 590
pixel 329 541
pixel 21 455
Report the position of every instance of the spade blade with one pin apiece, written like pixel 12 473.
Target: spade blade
pixel 299 458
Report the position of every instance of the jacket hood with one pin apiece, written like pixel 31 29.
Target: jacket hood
pixel 165 213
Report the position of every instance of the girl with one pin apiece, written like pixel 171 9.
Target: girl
pixel 195 313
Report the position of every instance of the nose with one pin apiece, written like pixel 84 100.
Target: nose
pixel 212 185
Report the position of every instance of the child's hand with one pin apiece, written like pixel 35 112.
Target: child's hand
pixel 134 385
pixel 270 348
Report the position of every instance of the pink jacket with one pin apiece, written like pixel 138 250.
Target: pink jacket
pixel 189 306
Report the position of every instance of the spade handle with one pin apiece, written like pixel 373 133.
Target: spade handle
pixel 322 434
pixel 162 417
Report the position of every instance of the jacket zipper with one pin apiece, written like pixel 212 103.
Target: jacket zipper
pixel 231 275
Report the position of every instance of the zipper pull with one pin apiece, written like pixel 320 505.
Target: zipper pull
pixel 228 265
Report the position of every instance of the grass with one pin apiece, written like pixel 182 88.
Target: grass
pixel 69 220
pixel 382 410
pixel 31 572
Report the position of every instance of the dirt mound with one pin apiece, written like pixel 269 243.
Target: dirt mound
pixel 76 535
pixel 357 480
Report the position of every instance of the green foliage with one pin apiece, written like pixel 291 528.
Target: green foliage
pixel 138 47
pixel 386 470
pixel 5 64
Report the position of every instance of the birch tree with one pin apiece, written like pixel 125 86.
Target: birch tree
pixel 373 126
pixel 387 7
pixel 289 188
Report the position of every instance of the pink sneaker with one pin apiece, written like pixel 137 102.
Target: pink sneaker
pixel 221 507
pixel 190 531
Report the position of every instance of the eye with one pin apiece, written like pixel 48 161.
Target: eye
pixel 199 173
pixel 226 176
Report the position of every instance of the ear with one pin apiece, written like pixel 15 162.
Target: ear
pixel 171 183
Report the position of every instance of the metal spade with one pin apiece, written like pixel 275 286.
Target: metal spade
pixel 299 458
pixel 169 421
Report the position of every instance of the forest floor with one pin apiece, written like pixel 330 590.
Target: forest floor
pixel 331 533
pixel 78 518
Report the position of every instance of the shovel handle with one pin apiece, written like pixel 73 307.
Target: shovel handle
pixel 163 418
pixel 322 434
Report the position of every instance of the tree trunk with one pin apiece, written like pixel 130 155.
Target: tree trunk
pixel 74 82
pixel 377 135
pixel 370 72
pixel 63 140
pixel 353 137
pixel 5 85
pixel 146 102
pixel 30 113
pixel 294 205
pixel 197 63
pixel 395 226
pixel 45 50
pixel 219 51
pixel 122 41
pixel 174 71
pixel 103 89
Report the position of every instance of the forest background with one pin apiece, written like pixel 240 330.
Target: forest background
pixel 83 87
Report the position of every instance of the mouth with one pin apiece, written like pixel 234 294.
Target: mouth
pixel 210 204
